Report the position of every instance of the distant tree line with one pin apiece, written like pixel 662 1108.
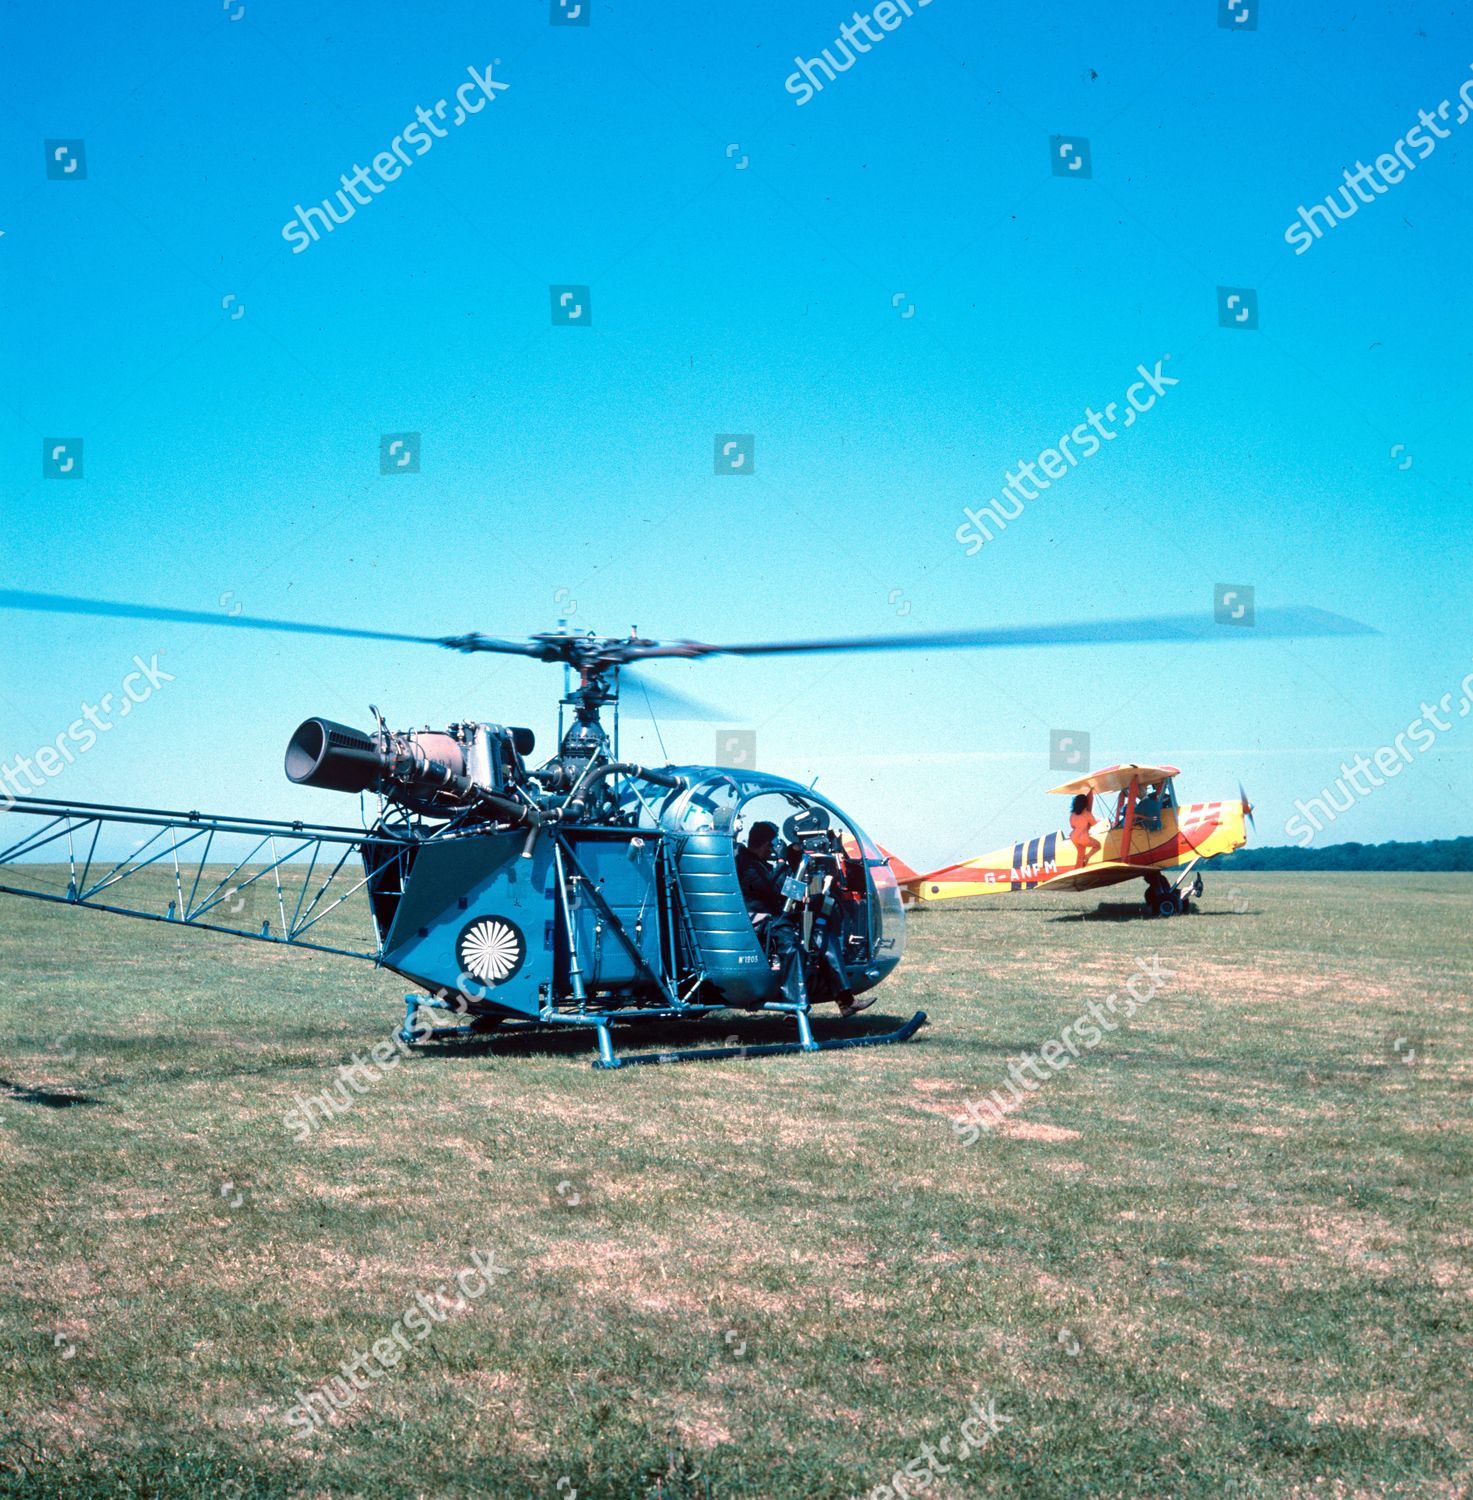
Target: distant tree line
pixel 1429 854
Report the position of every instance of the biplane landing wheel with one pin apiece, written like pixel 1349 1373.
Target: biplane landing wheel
pixel 1169 905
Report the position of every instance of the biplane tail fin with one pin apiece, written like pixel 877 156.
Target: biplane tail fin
pixel 906 877
pixel 904 874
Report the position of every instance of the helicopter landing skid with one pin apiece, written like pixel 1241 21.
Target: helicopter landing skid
pixel 601 1022
pixel 776 1049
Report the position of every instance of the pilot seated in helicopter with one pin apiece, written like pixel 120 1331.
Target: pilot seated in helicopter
pixel 767 906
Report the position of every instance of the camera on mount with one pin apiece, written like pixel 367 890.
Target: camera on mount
pixel 810 831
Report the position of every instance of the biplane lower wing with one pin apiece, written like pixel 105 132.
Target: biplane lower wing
pixel 289 883
pixel 1091 877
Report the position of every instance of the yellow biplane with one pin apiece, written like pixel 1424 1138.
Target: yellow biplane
pixel 1146 834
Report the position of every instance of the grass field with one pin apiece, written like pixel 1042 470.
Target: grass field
pixel 1225 1251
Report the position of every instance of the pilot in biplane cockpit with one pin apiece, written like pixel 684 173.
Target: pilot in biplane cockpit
pixel 1148 808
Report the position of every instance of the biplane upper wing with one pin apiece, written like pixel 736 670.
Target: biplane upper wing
pixel 1115 779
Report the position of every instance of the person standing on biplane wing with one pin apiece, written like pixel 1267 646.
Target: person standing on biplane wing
pixel 1081 822
pixel 767 906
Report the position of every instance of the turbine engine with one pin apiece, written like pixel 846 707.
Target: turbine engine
pixel 435 772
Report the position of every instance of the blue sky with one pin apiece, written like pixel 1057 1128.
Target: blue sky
pixel 750 262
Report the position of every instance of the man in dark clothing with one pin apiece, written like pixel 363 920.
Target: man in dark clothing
pixel 766 904
pixel 1148 808
pixel 760 888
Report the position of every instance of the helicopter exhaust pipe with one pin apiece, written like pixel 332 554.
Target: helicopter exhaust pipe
pixel 579 804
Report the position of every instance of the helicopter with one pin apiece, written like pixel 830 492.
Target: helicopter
pixel 585 892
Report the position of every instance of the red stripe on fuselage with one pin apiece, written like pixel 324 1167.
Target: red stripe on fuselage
pixel 1178 846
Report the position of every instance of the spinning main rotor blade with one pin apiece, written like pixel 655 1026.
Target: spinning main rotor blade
pixel 591 653
pixel 1290 621
pixel 641 697
pixel 66 604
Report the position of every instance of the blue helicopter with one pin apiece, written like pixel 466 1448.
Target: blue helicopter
pixel 585 892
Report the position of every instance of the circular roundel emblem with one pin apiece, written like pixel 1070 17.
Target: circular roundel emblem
pixel 491 949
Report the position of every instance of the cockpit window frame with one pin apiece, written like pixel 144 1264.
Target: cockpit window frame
pixel 748 786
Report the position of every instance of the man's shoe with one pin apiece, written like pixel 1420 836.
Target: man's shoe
pixel 851 1004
